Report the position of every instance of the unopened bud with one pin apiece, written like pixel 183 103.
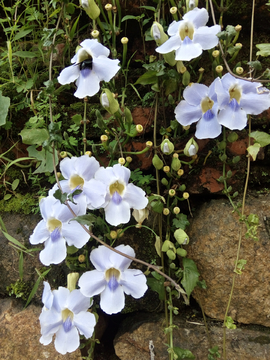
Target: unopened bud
pixel 239 45
pixel 186 127
pixel 167 147
pixel 90 8
pixel 180 172
pixel 219 69
pixel 166 169
pixel 191 148
pixel 81 258
pixel 238 28
pixel 171 254
pixel 58 174
pixel 157 162
pixel 185 195
pixel 201 70
pixel 63 154
pixel 176 163
pixel 239 70
pixel 108 7
pixel 176 210
pixel 104 138
pixel 121 161
pixel 173 10
pixel 164 181
pixel 171 192
pixel 124 40
pixel 128 159
pixel 139 128
pixel 181 237
pixel 149 144
pixel 215 53
pixel 95 34
pixel 113 234
pixel 166 211
pixel 88 153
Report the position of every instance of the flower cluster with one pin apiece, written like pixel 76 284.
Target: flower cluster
pixel 100 187
pixel 227 101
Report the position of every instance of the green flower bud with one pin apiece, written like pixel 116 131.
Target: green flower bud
pixel 167 147
pixel 181 237
pixel 171 254
pixel 191 148
pixel 181 252
pixel 167 245
pixel 91 8
pixel 232 137
pixel 191 4
pixel 186 78
pixel 157 162
pixel 158 33
pixel 108 101
pixel 164 181
pixel 72 279
pixel 128 116
pixel 176 163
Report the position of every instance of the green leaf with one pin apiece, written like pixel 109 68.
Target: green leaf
pixel 256 65
pixel 59 196
pixel 4 106
pixel 71 250
pixel 156 283
pixel 7 196
pixel 190 275
pixel 130 17
pixel 230 323
pixel 13 240
pixel 21 265
pixel 253 150
pixel 180 221
pixel 15 184
pixel 150 77
pixel 261 137
pixel 34 136
pixel 45 157
pixel 264 50
pixel 22 33
pixel 151 8
pixel 88 219
pixel 183 353
pixel 25 54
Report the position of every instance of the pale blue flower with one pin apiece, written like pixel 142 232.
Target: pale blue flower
pixel 79 173
pixel 67 318
pixel 120 195
pixel 91 65
pixel 201 106
pixel 56 230
pixel 190 36
pixel 112 278
pixel 237 98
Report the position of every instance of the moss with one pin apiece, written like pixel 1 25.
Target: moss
pixel 22 204
pixel 20 289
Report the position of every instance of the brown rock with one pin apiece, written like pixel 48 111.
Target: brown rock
pixel 20 334
pixel 214 235
pixel 132 343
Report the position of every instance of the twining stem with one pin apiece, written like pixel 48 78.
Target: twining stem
pixel 84 125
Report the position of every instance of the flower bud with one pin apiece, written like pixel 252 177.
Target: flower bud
pixel 121 161
pixel 104 138
pixel 108 101
pixel 158 33
pixel 191 4
pixel 239 70
pixel 167 147
pixel 239 45
pixel 72 279
pixel 181 252
pixel 176 163
pixel 238 28
pixel 176 210
pixel 180 67
pixel 164 181
pixel 219 69
pixel 95 34
pixel 186 78
pixel 124 40
pixel 108 7
pixel 128 115
pixel 215 53
pixel 63 154
pixel 120 233
pixel 166 211
pixel 90 8
pixel 185 195
pixel 166 245
pixel 157 162
pixel 129 159
pixel 171 254
pixel 88 153
pixel 139 128
pixel 149 144
pixel 113 234
pixel 181 237
pixel 201 70
pixel 166 169
pixel 173 10
pixel 186 127
pixel 172 192
pixel 180 172
pixel 140 216
pixel 58 174
pixel 191 148
pixel 81 258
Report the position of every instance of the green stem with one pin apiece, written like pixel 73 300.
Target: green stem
pixel 84 125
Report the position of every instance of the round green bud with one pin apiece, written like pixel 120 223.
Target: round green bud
pixel 164 181
pixel 171 254
pixel 157 162
pixel 167 147
pixel 181 237
pixel 181 252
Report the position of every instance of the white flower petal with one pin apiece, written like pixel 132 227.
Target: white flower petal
pixel 134 283
pixel 116 214
pixel 135 197
pixel 120 262
pixel 85 323
pixel 46 340
pixel 100 258
pixel 187 114
pixel 255 104
pixel 173 28
pixel 233 120
pixel 121 172
pixel 173 43
pixel 50 321
pixel 67 341
pixel 47 295
pixel 223 95
pixel 92 282
pixel 208 129
pixel 195 93
pixel 74 234
pixel 95 192
pixel 188 50
pixel 112 302
pixel 40 234
pixel 77 302
pixel 87 84
pixel 198 17
pixel 67 166
pixel 69 74
pixel 206 36
pixel 54 252
pixel 94 48
pixel 86 167
pixel 105 68
pixel 60 298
